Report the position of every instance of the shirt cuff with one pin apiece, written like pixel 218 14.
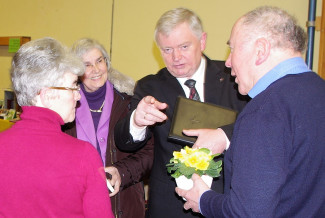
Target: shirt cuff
pixel 138 134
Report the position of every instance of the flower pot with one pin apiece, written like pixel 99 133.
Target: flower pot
pixel 185 183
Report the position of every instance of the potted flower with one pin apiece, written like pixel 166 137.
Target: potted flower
pixel 193 160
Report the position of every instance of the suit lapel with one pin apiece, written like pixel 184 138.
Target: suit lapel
pixel 174 88
pixel 213 82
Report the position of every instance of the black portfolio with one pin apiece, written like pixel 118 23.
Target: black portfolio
pixel 190 114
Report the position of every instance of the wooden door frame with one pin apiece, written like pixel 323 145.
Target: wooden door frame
pixel 321 59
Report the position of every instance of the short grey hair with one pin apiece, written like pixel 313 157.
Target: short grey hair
pixel 41 63
pixel 171 19
pixel 279 27
pixel 84 45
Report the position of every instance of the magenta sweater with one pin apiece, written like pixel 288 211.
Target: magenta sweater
pixel 47 173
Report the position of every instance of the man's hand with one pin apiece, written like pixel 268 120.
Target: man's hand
pixel 192 196
pixel 116 179
pixel 148 112
pixel 213 139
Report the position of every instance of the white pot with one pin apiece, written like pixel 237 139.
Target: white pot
pixel 185 183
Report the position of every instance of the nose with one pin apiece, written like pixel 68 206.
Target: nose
pixel 96 68
pixel 228 61
pixel 77 95
pixel 176 55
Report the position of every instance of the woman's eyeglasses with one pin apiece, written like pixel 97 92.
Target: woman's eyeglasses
pixel 76 89
pixel 99 63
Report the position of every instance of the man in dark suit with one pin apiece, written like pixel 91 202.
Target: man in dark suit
pixel 181 39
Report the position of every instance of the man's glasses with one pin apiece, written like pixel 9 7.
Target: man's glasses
pixel 76 89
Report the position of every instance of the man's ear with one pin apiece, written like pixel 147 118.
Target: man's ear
pixel 45 97
pixel 203 41
pixel 263 48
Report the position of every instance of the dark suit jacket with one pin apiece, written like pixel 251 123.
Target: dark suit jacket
pixel 219 89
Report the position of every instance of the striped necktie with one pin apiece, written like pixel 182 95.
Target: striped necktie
pixel 193 93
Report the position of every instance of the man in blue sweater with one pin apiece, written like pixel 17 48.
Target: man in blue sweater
pixel 275 165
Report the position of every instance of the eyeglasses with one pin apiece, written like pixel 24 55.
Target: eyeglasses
pixel 100 62
pixel 76 89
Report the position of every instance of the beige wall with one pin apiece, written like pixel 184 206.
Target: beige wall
pixel 133 50
pixel 65 20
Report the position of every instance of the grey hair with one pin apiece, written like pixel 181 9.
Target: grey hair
pixel 280 27
pixel 120 81
pixel 171 19
pixel 41 63
pixel 84 45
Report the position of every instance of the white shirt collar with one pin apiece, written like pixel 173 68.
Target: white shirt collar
pixel 199 77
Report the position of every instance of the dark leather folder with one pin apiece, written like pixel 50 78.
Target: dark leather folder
pixel 190 114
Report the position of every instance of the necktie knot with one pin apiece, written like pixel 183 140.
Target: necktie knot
pixel 190 83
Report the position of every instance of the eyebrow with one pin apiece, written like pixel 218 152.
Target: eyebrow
pixel 177 46
pixel 88 62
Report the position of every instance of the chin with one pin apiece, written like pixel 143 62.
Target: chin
pixel 242 92
pixel 69 120
pixel 181 75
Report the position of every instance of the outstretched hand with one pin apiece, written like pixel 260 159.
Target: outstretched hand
pixel 213 139
pixel 149 112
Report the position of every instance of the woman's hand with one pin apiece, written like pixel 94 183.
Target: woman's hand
pixel 115 181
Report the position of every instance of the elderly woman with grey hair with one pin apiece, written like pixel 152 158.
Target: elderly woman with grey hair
pixel 105 97
pixel 45 172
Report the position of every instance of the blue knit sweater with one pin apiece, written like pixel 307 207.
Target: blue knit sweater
pixel 275 166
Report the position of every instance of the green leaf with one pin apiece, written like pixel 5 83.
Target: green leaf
pixel 219 163
pixel 204 150
pixel 176 174
pixel 200 172
pixel 215 165
pixel 212 173
pixel 186 171
pixel 215 155
pixel 212 165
